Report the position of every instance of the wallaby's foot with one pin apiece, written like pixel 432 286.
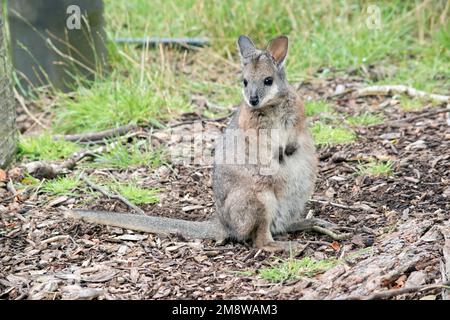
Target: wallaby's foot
pixel 284 247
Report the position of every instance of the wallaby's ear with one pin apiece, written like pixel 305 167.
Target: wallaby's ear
pixel 246 46
pixel 278 49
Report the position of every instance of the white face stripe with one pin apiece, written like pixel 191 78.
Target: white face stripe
pixel 270 95
pixel 245 98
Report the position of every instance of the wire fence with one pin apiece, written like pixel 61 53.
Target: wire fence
pixel 7 105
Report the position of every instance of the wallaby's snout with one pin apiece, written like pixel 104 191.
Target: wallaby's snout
pixel 263 73
pixel 254 100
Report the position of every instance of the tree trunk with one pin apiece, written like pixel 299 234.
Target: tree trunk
pixel 7 105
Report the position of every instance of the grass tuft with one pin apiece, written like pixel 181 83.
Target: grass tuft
pixel 317 107
pixel 116 101
pixel 136 194
pixel 325 134
pixel 365 119
pixel 294 269
pixel 376 168
pixel 43 147
pixel 410 104
pixel 63 186
pixel 134 155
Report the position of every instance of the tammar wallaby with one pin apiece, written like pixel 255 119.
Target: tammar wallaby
pixel 254 199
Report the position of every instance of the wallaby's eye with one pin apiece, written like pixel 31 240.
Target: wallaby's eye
pixel 268 81
pixel 245 82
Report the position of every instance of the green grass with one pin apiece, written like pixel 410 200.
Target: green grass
pixel 136 194
pixel 151 86
pixel 43 147
pixel 63 186
pixel 409 104
pixel 29 181
pixel 322 33
pixel 291 268
pixel 127 156
pixel 324 134
pixel 376 168
pixel 316 107
pixel 296 268
pixel 67 186
pixel 365 119
pixel 119 100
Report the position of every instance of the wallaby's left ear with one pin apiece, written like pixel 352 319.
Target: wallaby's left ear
pixel 246 46
pixel 278 49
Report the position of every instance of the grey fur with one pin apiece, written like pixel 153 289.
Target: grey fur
pixel 210 229
pixel 246 47
pixel 242 206
pixel 257 66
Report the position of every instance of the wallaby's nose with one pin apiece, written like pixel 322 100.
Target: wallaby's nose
pixel 254 101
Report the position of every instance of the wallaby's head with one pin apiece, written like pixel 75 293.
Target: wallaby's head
pixel 263 77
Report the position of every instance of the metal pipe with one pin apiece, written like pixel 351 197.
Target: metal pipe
pixel 154 41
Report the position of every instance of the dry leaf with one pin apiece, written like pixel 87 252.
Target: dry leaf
pixel 335 245
pixel 2 175
pixel 400 282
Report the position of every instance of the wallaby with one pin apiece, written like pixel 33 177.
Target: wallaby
pixel 259 198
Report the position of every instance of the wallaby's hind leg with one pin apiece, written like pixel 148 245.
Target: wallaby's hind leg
pixel 249 216
pixel 239 215
pixel 262 237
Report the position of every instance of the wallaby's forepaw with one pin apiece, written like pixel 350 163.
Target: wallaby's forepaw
pixel 294 248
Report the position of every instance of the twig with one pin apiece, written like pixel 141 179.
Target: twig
pixel 201 119
pixel 56 239
pixel 344 206
pixel 95 136
pixel 331 234
pixel 11 188
pixel 339 94
pixel 445 262
pixel 317 225
pixel 22 103
pixel 22 192
pixel 400 89
pixel 48 170
pixel 397 292
pixel 319 242
pixel 112 196
pixel 395 123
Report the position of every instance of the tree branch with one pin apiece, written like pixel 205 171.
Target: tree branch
pixel 95 136
pixel 112 196
pixel 48 170
pixel 396 292
pixel 401 89
pixel 397 123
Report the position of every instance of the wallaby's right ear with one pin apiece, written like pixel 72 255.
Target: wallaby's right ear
pixel 246 46
pixel 278 49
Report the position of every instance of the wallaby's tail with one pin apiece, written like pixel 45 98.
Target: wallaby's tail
pixel 210 229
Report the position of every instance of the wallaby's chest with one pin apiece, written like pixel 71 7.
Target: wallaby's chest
pixel 281 120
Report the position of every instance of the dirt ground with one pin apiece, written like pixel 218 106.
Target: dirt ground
pixel 399 224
